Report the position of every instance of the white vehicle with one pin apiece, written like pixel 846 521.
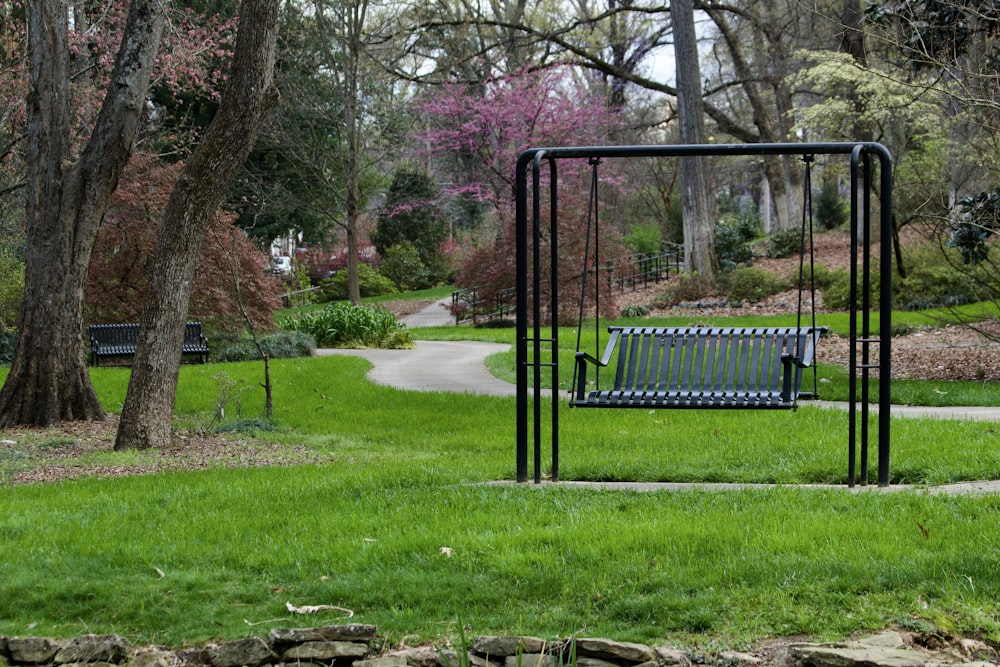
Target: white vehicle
pixel 281 265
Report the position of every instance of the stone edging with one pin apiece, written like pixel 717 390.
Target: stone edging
pixel 356 645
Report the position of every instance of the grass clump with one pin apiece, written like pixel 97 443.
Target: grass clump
pixel 351 325
pixel 279 345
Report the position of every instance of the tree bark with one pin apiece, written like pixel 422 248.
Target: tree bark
pixel 354 19
pixel 250 94
pixel 699 231
pixel 48 381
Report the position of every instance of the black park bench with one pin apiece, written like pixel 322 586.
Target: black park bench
pixel 657 367
pixel 118 341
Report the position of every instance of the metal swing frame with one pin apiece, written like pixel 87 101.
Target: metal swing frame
pixel 535 353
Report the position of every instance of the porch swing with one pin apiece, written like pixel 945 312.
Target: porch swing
pixel 700 367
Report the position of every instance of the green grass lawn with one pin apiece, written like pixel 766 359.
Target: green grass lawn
pixel 188 557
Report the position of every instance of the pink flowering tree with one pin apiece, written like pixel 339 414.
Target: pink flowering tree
pixel 479 131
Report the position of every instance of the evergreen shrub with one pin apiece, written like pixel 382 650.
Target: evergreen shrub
pixel 784 243
pixel 752 284
pixel 370 282
pixel 831 209
pixel 687 287
pixel 278 345
pixel 734 234
pixel 635 310
pixel 402 264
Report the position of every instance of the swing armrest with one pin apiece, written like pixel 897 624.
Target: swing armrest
pixel 810 352
pixel 582 359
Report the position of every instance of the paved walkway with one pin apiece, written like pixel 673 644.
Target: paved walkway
pixel 460 366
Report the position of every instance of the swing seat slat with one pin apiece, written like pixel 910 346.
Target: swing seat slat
pixel 700 367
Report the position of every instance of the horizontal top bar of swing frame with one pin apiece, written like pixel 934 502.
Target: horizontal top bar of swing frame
pixel 686 150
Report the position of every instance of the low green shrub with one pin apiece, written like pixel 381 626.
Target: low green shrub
pixel 403 265
pixel 932 281
pixel 752 284
pixel 247 426
pixel 370 282
pixel 278 345
pixel 502 323
pixel 351 325
pixel 643 238
pixel 734 234
pixel 831 209
pixel 784 243
pixel 635 310
pixel 837 292
pixel 687 287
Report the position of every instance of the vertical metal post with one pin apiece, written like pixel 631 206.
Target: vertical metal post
pixel 885 317
pixel 536 312
pixel 554 301
pixel 866 319
pixel 521 303
pixel 852 388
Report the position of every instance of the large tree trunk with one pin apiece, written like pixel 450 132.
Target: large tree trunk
pixel 699 223
pixel 149 403
pixel 48 380
pixel 355 14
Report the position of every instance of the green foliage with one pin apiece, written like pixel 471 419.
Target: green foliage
pixel 278 345
pixel 635 310
pixel 932 281
pixel 687 287
pixel 11 288
pixel 412 215
pixel 351 325
pixel 821 276
pixel 837 291
pixel 733 235
pixel 8 338
pixel 370 282
pixel 751 284
pixel 300 282
pixel 784 243
pixel 852 94
pixel 831 210
pixel 980 219
pixel 644 238
pixel 402 264
pixel 246 426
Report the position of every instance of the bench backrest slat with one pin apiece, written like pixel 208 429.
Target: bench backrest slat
pixel 703 360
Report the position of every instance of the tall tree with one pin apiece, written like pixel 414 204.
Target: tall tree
pixel 699 251
pixel 147 415
pixel 66 199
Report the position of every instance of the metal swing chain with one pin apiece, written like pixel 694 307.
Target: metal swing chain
pixel 592 220
pixel 807 220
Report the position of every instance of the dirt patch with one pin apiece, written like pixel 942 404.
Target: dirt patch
pixel 77 449
pixel 926 353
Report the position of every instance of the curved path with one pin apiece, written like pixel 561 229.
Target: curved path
pixel 460 366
